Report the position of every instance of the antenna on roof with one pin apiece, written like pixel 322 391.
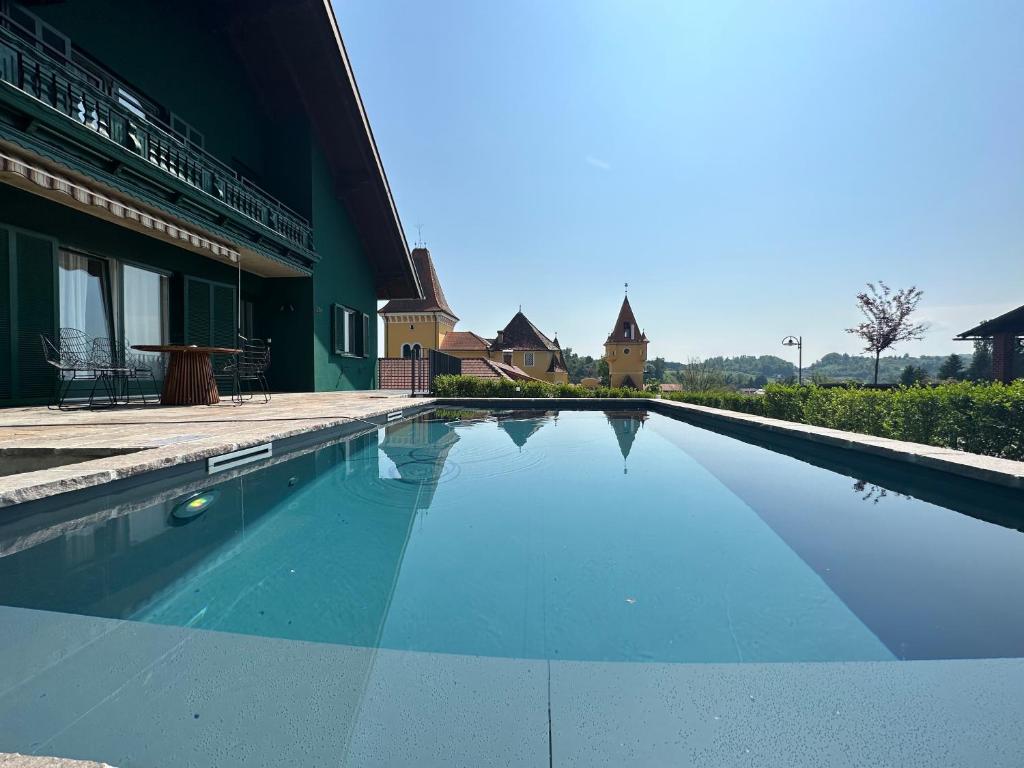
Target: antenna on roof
pixel 627 289
pixel 419 236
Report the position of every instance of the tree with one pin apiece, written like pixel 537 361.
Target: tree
pixel 701 376
pixel 912 375
pixel 980 368
pixel 658 366
pixel 602 372
pixel 887 318
pixel 952 368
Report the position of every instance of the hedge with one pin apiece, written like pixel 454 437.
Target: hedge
pixel 980 418
pixel 471 386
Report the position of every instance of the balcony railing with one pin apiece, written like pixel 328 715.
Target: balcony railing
pixel 116 114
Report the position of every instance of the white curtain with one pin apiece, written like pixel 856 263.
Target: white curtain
pixel 145 307
pixel 74 290
pixel 84 295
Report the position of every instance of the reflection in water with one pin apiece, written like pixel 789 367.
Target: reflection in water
pixel 626 425
pixel 875 493
pixel 522 425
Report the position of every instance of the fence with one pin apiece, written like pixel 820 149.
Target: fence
pixel 415 374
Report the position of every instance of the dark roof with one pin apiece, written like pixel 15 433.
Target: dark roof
pixel 483 368
pixel 626 316
pixel 1010 322
pixel 463 340
pixel 433 295
pixel 520 333
pixel 293 49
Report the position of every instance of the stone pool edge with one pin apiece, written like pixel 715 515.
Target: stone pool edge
pixel 974 466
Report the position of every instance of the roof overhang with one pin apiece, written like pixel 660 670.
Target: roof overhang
pixel 1011 322
pixel 302 37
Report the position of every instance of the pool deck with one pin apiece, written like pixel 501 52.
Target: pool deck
pixel 136 694
pixel 161 437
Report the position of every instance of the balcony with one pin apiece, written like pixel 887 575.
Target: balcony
pixel 84 118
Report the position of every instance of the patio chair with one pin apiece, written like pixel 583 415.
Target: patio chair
pixel 249 366
pixel 253 363
pixel 71 354
pixel 124 365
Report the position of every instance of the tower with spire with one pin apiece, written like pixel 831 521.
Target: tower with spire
pixel 625 350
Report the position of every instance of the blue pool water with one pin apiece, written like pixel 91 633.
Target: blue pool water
pixel 580 535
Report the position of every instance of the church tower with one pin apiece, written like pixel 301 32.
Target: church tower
pixel 625 351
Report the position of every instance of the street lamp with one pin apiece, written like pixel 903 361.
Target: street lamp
pixel 798 342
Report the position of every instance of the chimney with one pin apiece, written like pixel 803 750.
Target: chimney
pixel 500 337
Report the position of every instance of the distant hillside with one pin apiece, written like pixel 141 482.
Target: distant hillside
pixel 748 370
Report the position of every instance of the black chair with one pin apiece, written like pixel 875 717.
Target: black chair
pixel 72 355
pixel 253 363
pixel 249 366
pixel 124 366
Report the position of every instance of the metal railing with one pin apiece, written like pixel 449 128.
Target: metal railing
pixel 415 374
pixel 117 114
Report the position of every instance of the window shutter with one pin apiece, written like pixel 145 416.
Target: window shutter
pixel 197 312
pixel 35 268
pixel 365 351
pixel 225 316
pixel 210 313
pixel 337 329
pixel 5 315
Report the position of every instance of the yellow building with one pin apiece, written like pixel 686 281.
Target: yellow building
pixel 625 350
pixel 519 346
pixel 412 326
pixel 518 351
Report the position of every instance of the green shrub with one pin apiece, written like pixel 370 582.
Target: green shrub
pixel 471 386
pixel 979 418
pixel 730 401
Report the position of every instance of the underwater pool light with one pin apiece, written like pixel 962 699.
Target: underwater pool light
pixel 195 505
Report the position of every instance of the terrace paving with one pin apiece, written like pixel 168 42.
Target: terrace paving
pixel 158 436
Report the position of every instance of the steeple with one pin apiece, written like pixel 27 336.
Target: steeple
pixel 625 349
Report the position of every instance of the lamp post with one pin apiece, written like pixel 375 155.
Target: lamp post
pixel 798 342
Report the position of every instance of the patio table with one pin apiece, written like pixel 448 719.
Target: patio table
pixel 189 377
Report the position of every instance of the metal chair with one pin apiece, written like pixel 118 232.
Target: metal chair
pixel 72 357
pixel 123 365
pixel 249 366
pixel 253 363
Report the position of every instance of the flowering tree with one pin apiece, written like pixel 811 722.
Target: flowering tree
pixel 887 318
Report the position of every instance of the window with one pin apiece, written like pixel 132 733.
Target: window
pixel 625 351
pixel 627 330
pixel 351 332
pixel 144 305
pixel 107 299
pixel 85 295
pixel 528 359
pixel 186 132
pixel 406 351
pixel 506 356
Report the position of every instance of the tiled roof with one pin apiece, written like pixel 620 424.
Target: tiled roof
pixel 520 333
pixel 483 368
pixel 433 296
pixel 626 316
pixel 464 340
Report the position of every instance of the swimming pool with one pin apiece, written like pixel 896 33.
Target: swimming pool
pixel 615 536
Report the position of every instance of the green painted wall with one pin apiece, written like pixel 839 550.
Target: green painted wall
pixel 343 276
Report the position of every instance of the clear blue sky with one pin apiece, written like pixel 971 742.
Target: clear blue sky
pixel 745 166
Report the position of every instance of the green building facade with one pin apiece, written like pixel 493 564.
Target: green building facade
pixel 181 172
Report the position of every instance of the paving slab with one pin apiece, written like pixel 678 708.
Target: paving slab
pixel 900 714
pixel 142 695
